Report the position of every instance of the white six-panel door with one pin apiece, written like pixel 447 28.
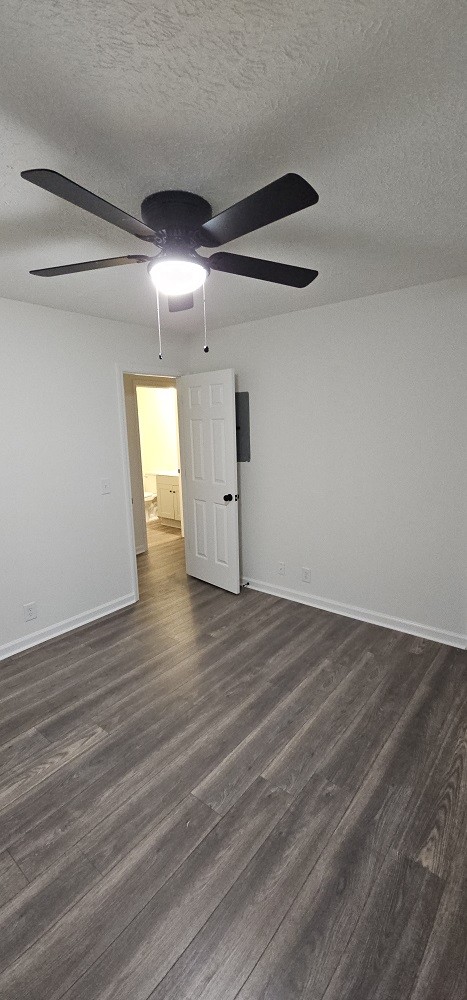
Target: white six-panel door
pixel 208 452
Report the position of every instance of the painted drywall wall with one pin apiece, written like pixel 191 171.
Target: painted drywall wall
pixel 157 414
pixel 64 545
pixel 358 431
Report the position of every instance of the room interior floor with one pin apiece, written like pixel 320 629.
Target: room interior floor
pixel 208 796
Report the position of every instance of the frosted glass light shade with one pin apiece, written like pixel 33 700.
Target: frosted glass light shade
pixel 177 277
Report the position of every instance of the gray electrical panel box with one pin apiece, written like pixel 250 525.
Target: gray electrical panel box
pixel 242 410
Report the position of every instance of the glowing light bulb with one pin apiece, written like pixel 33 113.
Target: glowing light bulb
pixel 177 277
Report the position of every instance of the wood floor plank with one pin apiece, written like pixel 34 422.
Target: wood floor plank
pixel 303 954
pixel 335 752
pixel 33 845
pixel 39 905
pixel 130 738
pixel 55 658
pixel 225 784
pixel 126 672
pixel 21 749
pixel 442 974
pixel 46 695
pixel 233 646
pixel 218 959
pixel 21 778
pixel 438 814
pixel 314 742
pixel 95 664
pixel 385 951
pixel 65 646
pixel 370 729
pixel 117 832
pixel 171 765
pixel 432 838
pixel 309 944
pixel 54 669
pixel 133 960
pixel 324 906
pixel 30 712
pixel 82 934
pixel 12 879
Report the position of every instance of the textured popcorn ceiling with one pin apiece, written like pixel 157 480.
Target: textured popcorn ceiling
pixel 363 97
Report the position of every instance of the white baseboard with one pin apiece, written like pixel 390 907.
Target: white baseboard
pixel 361 614
pixel 52 631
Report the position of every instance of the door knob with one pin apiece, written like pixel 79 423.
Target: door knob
pixel 228 496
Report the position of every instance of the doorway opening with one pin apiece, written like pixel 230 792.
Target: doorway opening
pixel 207 460
pixel 154 460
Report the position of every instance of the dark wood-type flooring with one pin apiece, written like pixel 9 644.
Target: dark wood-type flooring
pixel 215 797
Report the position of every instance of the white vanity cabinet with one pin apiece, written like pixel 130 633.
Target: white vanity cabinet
pixel 168 497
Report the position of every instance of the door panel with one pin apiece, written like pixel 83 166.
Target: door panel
pixel 221 545
pixel 197 449
pixel 201 547
pixel 218 449
pixel 209 470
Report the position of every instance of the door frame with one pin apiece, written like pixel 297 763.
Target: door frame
pixel 135 459
pixel 120 371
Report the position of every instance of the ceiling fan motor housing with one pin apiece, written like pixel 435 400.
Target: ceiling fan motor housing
pixel 176 217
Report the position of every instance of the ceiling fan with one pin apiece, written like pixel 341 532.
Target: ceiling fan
pixel 178 223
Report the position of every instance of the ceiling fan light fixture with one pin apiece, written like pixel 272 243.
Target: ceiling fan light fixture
pixel 177 276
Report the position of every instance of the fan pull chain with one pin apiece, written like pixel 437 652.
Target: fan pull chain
pixel 159 324
pixel 205 348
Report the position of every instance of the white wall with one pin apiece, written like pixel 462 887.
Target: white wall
pixel 158 429
pixel 358 431
pixel 358 436
pixel 63 544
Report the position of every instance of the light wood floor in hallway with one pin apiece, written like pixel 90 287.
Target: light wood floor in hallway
pixel 219 797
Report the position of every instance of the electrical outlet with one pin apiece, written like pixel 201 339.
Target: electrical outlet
pixel 105 486
pixel 282 569
pixel 30 612
pixel 306 574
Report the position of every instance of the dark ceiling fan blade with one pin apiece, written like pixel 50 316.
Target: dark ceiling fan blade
pixel 265 270
pixel 180 302
pixel 57 184
pixel 283 197
pixel 90 265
